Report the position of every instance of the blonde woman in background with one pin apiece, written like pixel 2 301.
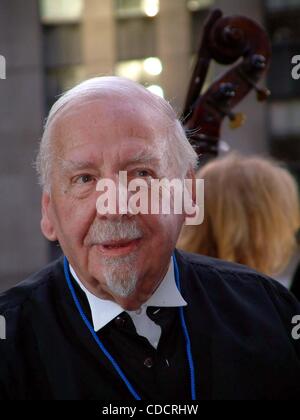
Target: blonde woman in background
pixel 251 216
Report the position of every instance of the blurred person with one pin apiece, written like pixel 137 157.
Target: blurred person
pixel 251 216
pixel 124 314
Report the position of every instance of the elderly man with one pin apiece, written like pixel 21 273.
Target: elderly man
pixel 124 315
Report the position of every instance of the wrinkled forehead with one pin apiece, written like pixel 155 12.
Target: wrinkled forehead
pixel 95 117
pixel 111 134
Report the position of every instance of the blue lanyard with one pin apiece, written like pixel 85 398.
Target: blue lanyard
pixel 111 358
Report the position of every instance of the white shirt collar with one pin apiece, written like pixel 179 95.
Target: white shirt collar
pixel 104 311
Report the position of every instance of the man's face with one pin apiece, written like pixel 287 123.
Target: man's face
pixel 118 257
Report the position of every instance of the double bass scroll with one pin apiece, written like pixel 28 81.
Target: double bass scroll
pixel 237 41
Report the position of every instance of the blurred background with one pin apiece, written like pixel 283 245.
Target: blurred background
pixel 50 45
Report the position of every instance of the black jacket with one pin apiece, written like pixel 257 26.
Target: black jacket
pixel 239 321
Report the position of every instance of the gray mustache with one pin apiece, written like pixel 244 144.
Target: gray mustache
pixel 102 231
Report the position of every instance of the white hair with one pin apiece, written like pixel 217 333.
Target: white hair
pixel 183 155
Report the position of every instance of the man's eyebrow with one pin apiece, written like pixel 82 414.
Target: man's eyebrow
pixel 80 164
pixel 142 157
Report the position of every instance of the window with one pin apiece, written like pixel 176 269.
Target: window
pixel 146 72
pixel 56 11
pixel 284 30
pixel 282 4
pixel 139 70
pixel 199 10
pixel 131 8
pixel 195 5
pixel 197 23
pixel 281 82
pixel 62 59
pixel 285 119
pixel 285 130
pixel 130 44
pixel 283 26
pixel 282 18
pixel 62 45
pixel 61 79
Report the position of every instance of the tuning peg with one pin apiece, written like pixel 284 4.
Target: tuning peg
pixel 236 120
pixel 258 61
pixel 225 92
pixel 262 94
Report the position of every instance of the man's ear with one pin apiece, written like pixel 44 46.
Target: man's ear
pixel 46 222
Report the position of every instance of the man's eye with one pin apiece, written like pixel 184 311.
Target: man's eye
pixel 143 173
pixel 84 179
